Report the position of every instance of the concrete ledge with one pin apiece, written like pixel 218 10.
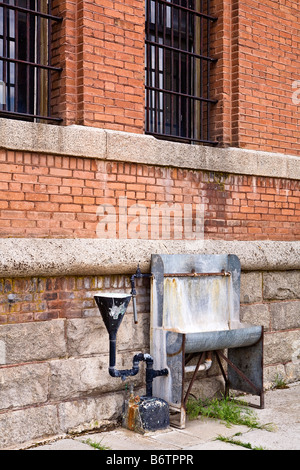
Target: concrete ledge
pixel 61 257
pixel 90 142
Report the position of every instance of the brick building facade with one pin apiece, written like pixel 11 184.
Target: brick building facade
pixel 96 147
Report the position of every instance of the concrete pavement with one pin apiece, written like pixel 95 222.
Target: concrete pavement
pixel 282 410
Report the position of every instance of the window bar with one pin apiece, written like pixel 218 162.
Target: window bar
pixel 16 98
pixel 49 73
pixel 4 53
pixel 37 70
pixel 184 95
pixel 179 73
pixel 164 22
pixel 187 72
pixel 201 73
pixel 147 91
pixel 156 71
pixel 172 68
pixel 208 71
pixel 31 12
pixel 32 64
pixel 176 49
pixel 27 59
pixel 8 64
pixel 180 7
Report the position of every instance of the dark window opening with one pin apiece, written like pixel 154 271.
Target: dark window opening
pixel 178 65
pixel 25 59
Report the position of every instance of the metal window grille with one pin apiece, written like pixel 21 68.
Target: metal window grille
pixel 178 65
pixel 25 59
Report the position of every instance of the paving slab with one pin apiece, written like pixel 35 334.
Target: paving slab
pixel 281 414
pixel 64 444
pixel 123 439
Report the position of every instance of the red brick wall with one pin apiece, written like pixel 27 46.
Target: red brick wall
pixel 269 60
pixel 48 298
pixel 258 47
pixel 100 46
pixel 54 196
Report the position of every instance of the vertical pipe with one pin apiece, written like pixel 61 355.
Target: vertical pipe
pixel 112 350
pixel 134 309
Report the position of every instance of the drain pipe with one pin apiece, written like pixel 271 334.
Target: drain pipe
pixel 205 366
pixel 137 275
pixel 152 374
pixel 123 374
pixel 113 372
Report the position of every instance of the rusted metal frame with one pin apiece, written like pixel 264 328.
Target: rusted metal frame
pixel 223 373
pixel 183 370
pixel 259 392
pixel 240 373
pixel 222 273
pixel 201 357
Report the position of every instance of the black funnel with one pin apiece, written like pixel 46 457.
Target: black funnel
pixel 112 307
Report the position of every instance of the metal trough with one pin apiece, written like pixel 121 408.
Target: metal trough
pixel 195 311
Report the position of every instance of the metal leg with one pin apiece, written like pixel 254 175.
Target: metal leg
pixel 193 379
pixel 259 392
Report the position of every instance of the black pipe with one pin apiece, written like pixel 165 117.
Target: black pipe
pixel 137 275
pixel 150 373
pixel 113 372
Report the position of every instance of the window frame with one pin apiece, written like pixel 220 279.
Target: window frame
pixel 31 58
pixel 181 32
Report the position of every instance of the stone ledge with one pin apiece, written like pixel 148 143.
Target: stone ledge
pixel 22 257
pixel 90 142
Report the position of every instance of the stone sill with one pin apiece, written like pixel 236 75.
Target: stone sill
pixel 21 257
pixel 90 142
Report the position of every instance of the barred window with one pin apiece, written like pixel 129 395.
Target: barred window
pixel 25 59
pixel 178 65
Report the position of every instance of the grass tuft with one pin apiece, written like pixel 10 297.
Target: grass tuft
pixel 226 409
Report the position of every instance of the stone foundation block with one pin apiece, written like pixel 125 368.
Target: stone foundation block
pixel 28 342
pixel 23 385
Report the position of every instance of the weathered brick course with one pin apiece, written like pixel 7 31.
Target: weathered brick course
pixel 51 196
